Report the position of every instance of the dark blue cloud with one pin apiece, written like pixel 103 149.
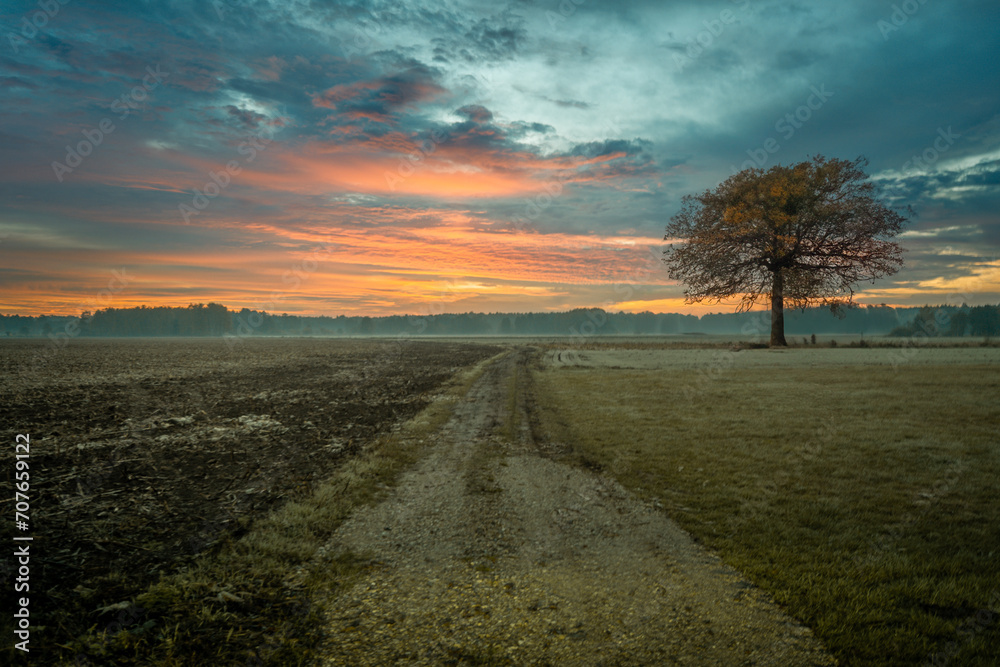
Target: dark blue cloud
pixel 476 113
pixel 382 98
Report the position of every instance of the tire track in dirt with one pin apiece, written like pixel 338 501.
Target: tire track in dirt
pixel 489 553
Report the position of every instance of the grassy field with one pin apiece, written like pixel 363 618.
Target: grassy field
pixel 861 495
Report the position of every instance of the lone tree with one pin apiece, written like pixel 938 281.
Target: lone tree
pixel 800 234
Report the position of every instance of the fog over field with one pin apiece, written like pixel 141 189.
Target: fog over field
pixel 668 360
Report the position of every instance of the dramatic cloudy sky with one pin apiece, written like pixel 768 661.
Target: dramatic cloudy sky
pixel 412 157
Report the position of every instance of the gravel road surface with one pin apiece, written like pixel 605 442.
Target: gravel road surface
pixel 489 553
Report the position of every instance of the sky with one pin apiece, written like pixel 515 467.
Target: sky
pixel 379 158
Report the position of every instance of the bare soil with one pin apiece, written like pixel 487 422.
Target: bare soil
pixel 147 453
pixel 490 551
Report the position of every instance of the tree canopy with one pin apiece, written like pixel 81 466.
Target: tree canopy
pixel 800 234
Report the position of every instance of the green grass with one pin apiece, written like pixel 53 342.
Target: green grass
pixel 240 606
pixel 863 499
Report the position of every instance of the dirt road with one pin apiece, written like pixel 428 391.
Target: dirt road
pixel 488 552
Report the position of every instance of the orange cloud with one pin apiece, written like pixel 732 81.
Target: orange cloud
pixel 671 305
pixel 392 164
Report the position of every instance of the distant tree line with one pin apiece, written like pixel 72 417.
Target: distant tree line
pixel 215 319
pixel 964 321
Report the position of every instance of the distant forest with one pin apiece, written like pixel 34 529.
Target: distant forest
pixel 217 320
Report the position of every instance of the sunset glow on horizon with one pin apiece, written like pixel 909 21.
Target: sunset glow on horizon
pixel 374 158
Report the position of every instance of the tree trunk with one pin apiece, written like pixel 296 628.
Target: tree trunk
pixel 778 310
